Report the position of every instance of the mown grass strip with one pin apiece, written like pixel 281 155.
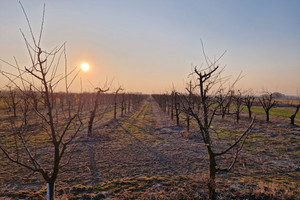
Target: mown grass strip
pixel 283 112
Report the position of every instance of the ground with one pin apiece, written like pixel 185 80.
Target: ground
pixel 144 155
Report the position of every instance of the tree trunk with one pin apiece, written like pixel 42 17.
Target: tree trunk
pixel 228 108
pixel 15 113
pixel 212 176
pixel 176 109
pixel 267 114
pixel 188 123
pixel 115 111
pixel 172 106
pixel 128 107
pixel 294 115
pixel 93 114
pixel 237 116
pixel 122 109
pixel 51 190
pixel 249 112
pixel 177 117
pixel 223 112
pixel 293 119
pixel 90 125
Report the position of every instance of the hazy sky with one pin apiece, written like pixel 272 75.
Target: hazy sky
pixel 146 46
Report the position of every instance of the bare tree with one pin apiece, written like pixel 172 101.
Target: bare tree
pixel 93 112
pixel 25 106
pixel 12 100
pixel 248 101
pixel 61 97
pixel 292 117
pixel 224 102
pixel 204 119
pixel 116 101
pixel 238 100
pixel 267 101
pixel 129 96
pixel 172 105
pixel 58 130
pixel 168 105
pixel 190 102
pixel 177 108
pixel 162 100
pixel 33 97
pixel 123 104
pixel 230 99
pixel 206 79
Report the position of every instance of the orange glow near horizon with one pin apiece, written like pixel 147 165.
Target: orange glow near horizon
pixel 84 66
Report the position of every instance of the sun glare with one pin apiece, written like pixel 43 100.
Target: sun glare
pixel 85 67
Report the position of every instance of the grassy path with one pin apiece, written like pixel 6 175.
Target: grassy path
pixel 145 143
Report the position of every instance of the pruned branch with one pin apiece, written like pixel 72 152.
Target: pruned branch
pixel 236 142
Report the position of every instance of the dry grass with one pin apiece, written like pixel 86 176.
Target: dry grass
pixel 145 156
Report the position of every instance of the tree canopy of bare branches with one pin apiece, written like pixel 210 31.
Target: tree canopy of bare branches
pixel 267 101
pixel 248 101
pixel 57 130
pixel 206 80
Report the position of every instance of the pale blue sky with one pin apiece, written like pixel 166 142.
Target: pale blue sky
pixel 149 45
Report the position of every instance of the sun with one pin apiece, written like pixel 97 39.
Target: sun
pixel 85 67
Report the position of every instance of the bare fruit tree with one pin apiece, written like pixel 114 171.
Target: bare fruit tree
pixel 56 130
pixel 267 101
pixel 94 110
pixel 172 105
pixel 12 100
pixel 238 100
pixel 116 101
pixel 190 102
pixel 293 116
pixel 248 101
pixel 177 107
pixel 224 101
pixel 206 80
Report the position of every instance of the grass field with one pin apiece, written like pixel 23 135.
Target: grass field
pixel 283 112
